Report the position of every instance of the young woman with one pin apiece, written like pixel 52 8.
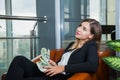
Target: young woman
pixel 80 56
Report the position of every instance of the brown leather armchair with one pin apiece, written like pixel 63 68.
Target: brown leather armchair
pixel 101 74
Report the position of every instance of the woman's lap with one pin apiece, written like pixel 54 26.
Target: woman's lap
pixel 30 71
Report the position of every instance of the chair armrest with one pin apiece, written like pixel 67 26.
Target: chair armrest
pixel 81 76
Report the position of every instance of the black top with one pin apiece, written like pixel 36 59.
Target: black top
pixel 84 59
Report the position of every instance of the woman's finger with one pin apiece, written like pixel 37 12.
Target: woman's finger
pixel 52 63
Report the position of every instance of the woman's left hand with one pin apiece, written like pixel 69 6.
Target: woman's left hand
pixel 53 70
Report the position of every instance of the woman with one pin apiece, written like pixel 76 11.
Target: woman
pixel 80 56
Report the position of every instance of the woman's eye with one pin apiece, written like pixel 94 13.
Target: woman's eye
pixel 84 29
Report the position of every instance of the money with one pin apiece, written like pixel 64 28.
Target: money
pixel 45 57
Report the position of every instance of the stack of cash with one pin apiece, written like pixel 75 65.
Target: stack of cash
pixel 45 57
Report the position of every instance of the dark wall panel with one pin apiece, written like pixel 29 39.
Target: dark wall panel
pixel 46 30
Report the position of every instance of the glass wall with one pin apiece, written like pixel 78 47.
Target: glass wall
pixel 22 29
pixel 2 34
pixel 15 29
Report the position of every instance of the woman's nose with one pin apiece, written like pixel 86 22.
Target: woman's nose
pixel 79 29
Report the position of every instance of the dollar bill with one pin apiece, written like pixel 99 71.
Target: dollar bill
pixel 45 57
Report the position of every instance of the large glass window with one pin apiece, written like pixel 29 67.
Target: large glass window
pixel 2 34
pixel 15 33
pixel 22 29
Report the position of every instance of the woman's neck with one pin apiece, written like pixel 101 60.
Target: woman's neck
pixel 81 43
pixel 78 44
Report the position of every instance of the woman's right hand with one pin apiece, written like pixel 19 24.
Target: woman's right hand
pixel 37 58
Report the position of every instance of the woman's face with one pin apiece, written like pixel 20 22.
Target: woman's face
pixel 83 31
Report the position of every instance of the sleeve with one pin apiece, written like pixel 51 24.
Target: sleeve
pixel 91 63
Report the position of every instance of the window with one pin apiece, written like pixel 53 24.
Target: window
pixel 15 33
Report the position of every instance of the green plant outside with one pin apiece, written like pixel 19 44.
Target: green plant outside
pixel 113 61
pixel 114 44
pixel 118 78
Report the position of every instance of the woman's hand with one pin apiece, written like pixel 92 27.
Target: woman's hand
pixel 36 59
pixel 53 63
pixel 53 70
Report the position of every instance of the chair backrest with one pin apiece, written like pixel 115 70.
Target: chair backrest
pixel 103 69
pixel 56 54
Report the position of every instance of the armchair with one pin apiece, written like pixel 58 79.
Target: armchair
pixel 101 74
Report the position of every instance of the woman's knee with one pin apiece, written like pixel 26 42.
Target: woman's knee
pixel 19 58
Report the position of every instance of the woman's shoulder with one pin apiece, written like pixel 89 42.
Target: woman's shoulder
pixel 89 45
pixel 91 42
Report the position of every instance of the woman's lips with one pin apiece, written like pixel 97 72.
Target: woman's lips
pixel 77 33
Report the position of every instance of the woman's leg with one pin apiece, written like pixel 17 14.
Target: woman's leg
pixel 22 67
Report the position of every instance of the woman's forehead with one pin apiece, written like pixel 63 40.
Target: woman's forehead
pixel 85 23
